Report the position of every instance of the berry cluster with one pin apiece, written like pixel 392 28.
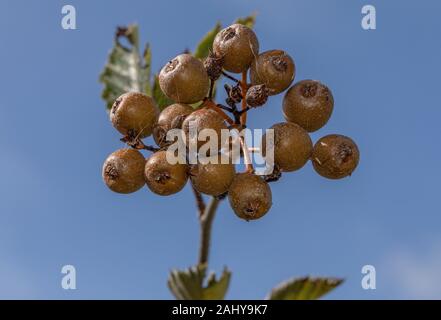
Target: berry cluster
pixel 307 106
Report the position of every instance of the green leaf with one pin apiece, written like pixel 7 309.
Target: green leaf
pixel 247 21
pixel 125 69
pixel 217 289
pixel 206 43
pixel 148 66
pixel 306 288
pixel 161 99
pixel 188 284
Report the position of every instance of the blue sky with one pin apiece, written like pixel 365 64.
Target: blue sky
pixel 55 134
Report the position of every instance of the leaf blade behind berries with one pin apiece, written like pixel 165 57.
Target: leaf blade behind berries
pixel 305 288
pixel 161 99
pixel 205 45
pixel 248 21
pixel 125 69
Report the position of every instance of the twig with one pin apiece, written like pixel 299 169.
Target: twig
pixel 137 144
pixel 210 92
pixel 206 221
pixel 246 155
pixel 230 77
pixel 244 87
pixel 212 105
pixel 199 201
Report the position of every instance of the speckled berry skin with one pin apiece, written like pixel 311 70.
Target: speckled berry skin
pixel 170 118
pixel 309 103
pixel 134 113
pixel 123 171
pixel 163 177
pixel 203 119
pixel 335 156
pixel 184 79
pixel 249 196
pixel 292 146
pixel 275 69
pixel 213 177
pixel 238 46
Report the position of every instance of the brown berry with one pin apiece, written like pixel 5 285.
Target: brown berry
pixel 256 96
pixel 171 117
pixel 275 69
pixel 238 45
pixel 292 146
pixel 163 177
pixel 134 113
pixel 213 64
pixel 213 177
pixel 250 196
pixel 308 103
pixel 184 79
pixel 203 119
pixel 123 171
pixel 335 156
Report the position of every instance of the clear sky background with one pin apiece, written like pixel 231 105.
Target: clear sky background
pixel 55 134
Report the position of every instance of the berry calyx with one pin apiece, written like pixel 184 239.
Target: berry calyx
pixel 184 79
pixel 292 146
pixel 213 177
pixel 335 156
pixel 123 171
pixel 308 103
pixel 249 196
pixel 275 69
pixel 134 113
pixel 171 117
pixel 256 96
pixel 213 64
pixel 162 177
pixel 238 45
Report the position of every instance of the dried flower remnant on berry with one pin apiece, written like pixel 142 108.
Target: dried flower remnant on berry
pixel 257 95
pixel 213 64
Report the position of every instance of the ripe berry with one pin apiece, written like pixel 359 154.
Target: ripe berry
pixel 308 103
pixel 335 156
pixel 213 178
pixel 170 118
pixel 292 146
pixel 134 113
pixel 256 96
pixel 275 69
pixel 238 45
pixel 123 171
pixel 250 196
pixel 162 177
pixel 184 79
pixel 203 119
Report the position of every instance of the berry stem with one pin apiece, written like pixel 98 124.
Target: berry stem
pixel 246 155
pixel 206 221
pixel 230 77
pixel 199 201
pixel 212 105
pixel 244 88
pixel 137 144
pixel 210 92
